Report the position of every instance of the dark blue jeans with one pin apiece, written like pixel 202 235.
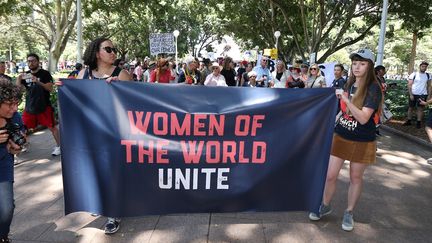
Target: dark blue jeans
pixel 6 207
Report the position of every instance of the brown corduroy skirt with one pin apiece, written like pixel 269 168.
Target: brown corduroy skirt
pixel 354 151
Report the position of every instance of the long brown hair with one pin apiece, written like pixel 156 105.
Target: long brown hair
pixel 226 63
pixel 360 94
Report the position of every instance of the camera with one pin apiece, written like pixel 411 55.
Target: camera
pixel 14 131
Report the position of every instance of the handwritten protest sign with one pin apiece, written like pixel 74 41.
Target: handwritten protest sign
pixel 161 43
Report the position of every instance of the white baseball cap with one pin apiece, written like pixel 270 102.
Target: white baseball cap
pixel 215 64
pixel 364 53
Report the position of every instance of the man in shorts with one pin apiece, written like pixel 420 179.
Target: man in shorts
pixel 418 90
pixel 38 84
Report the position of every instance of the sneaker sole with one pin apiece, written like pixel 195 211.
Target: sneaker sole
pixel 347 228
pixel 316 218
pixel 313 217
pixel 112 232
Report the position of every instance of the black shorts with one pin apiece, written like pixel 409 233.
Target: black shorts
pixel 429 119
pixel 416 102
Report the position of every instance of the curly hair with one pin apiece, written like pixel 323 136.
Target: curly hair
pixel 10 92
pixel 89 57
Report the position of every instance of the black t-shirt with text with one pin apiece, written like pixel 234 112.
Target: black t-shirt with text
pixel 339 83
pixel 349 128
pixel 37 98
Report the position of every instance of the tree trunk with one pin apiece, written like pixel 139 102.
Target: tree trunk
pixel 52 62
pixel 413 53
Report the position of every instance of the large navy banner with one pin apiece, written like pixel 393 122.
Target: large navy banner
pixel 131 149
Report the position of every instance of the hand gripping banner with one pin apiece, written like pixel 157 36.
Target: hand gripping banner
pixel 131 149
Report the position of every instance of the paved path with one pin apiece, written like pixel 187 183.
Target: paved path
pixel 395 207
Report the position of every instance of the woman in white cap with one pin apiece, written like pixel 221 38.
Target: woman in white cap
pixel 354 138
pixel 252 75
pixel 215 78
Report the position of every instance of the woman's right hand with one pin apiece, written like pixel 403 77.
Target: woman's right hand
pixel 339 93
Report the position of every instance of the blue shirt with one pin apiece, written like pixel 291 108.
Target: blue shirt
pixel 7 159
pixel 262 71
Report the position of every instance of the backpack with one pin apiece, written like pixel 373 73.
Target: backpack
pixel 427 74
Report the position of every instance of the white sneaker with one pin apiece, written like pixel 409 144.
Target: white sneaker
pixel 56 151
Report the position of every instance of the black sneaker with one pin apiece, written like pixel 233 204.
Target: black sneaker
pixel 112 225
pixel 418 124
pixel 407 123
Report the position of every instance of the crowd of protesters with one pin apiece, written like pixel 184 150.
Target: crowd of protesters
pixel 360 93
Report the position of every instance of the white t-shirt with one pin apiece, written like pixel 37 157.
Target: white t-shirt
pixel 419 86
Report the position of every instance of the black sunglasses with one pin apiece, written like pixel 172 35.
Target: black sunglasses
pixel 313 69
pixel 110 49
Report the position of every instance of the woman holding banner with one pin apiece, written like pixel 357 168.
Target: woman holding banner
pixel 354 138
pixel 99 58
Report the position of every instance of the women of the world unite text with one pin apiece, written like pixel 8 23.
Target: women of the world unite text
pixel 188 129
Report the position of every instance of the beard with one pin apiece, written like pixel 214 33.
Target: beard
pixel 34 68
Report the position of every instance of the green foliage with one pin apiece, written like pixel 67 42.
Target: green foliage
pixel 306 26
pixel 416 15
pixel 397 98
pixel 130 27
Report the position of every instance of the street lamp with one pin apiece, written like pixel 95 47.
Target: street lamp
pixel 176 34
pixel 277 34
pixel 79 31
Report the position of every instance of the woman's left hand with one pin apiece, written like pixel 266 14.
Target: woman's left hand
pixel 58 82
pixel 110 79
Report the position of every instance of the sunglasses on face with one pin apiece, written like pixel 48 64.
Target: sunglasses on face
pixel 110 49
pixel 313 69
